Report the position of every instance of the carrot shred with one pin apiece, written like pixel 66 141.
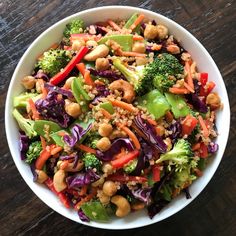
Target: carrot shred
pixel 189 76
pixel 106 113
pixel 86 199
pixel 43 142
pixel 61 133
pixel 188 87
pixel 81 67
pixel 196 146
pixel 87 78
pixel 56 150
pixel 124 105
pixel 137 37
pixel 131 135
pixel 151 121
pixel 198 172
pixel 203 126
pixel 34 110
pixel 64 164
pixel 169 116
pixel 137 21
pixel 178 90
pixel 114 25
pixel 130 54
pixel 86 148
pixel 83 190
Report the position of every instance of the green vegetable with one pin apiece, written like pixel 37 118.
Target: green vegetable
pixel 25 125
pixel 91 161
pixel 179 156
pixel 45 127
pixel 107 106
pixel 21 100
pixel 163 82
pixel 125 41
pixel 34 151
pixel 130 21
pixel 74 27
pixel 130 167
pixel 95 211
pixel 53 61
pixel 58 139
pixel 201 164
pixel 78 90
pixel 178 105
pixel 155 102
pixel 166 192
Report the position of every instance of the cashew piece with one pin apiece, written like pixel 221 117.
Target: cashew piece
pixel 109 188
pixel 59 180
pixel 100 51
pixel 79 166
pixel 42 176
pixel 125 87
pixel 123 206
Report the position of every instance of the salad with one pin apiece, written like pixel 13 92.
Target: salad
pixel 116 118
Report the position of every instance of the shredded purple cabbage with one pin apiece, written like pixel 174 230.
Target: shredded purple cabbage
pixel 187 194
pixel 77 132
pixel 115 149
pixel 151 137
pixel 197 103
pixel 79 180
pixel 53 109
pixel 41 75
pixel 196 86
pixel 65 158
pixel 58 90
pixel 143 194
pixel 24 145
pixel 109 74
pixel 213 147
pixel 176 129
pixel 82 216
pixel 32 168
pixel 102 92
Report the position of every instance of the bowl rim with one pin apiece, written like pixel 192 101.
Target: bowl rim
pixel 8 109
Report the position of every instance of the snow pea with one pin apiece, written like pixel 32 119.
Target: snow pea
pixel 58 139
pixel 130 21
pixel 108 107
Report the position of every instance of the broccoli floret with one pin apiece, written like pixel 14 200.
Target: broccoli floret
pixel 130 167
pixel 91 161
pixel 21 100
pixel 53 61
pixel 161 73
pixel 74 27
pixel 34 151
pixel 25 125
pixel 179 156
pixel 92 139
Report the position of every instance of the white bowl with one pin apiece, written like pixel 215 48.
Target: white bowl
pixel 204 63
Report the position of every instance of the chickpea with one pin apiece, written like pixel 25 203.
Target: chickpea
pixel 91 43
pixel 72 108
pixel 28 82
pixel 107 168
pixel 117 134
pixel 104 199
pixel 150 32
pixel 105 129
pixel 42 176
pixel 77 44
pixel 162 31
pixel 123 206
pixel 139 47
pixel 141 61
pixel 102 64
pixel 38 87
pixel 173 49
pixel 213 100
pixel 69 82
pixel 109 188
pixel 104 144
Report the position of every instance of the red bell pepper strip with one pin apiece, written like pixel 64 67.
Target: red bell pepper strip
pixel 44 156
pixel 203 77
pixel 120 162
pixel 59 77
pixel 206 89
pixel 60 195
pixel 188 124
pixel 203 152
pixel 127 178
pixel 156 173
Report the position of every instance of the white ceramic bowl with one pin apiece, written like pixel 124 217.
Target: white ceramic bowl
pixel 53 34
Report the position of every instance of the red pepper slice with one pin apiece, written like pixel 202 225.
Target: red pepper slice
pixel 203 78
pixel 203 152
pixel 120 162
pixel 156 173
pixel 127 178
pixel 60 195
pixel 40 161
pixel 188 124
pixel 206 89
pixel 59 77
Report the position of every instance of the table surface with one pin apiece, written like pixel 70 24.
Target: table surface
pixel 210 21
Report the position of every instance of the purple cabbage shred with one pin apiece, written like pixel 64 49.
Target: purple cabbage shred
pixel 109 74
pixel 58 90
pixel 143 194
pixel 24 145
pixel 82 216
pixel 213 147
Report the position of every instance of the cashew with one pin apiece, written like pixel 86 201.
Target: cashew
pixel 104 199
pixel 213 100
pixel 125 87
pixel 42 176
pixel 173 49
pixel 59 180
pixel 100 51
pixel 150 32
pixel 28 82
pixel 78 167
pixel 102 64
pixel 123 206
pixel 99 182
pixel 103 144
pixel 109 188
pixel 137 206
pixel 139 47
pixel 91 43
pixel 105 129
pixel 162 31
pixel 69 82
pixel 117 134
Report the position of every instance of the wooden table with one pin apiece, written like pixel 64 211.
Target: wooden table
pixel 213 23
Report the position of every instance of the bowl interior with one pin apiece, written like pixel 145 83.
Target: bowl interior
pixel 204 63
